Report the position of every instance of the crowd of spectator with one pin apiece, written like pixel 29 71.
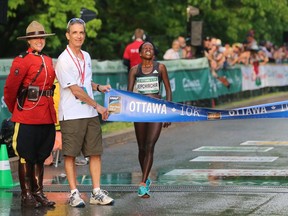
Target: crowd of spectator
pixel 245 53
pixel 230 54
pixel 179 50
pixel 219 55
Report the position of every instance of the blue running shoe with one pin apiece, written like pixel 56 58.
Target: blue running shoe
pixel 148 183
pixel 142 192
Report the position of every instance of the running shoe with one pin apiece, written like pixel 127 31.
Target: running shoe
pixel 101 198
pixel 143 192
pixel 148 183
pixel 75 200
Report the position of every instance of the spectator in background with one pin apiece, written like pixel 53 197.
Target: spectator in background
pixel 279 55
pixel 227 50
pixel 244 56
pixel 206 46
pixel 182 50
pixel 209 48
pixel 216 59
pixel 174 52
pixel 263 57
pixel 216 56
pixel 257 57
pixel 267 48
pixel 254 60
pixel 285 60
pixel 189 52
pixel 131 55
pixel 233 56
pixel 250 39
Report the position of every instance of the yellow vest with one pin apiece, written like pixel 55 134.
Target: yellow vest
pixel 56 98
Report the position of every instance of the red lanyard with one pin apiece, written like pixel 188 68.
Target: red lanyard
pixel 81 72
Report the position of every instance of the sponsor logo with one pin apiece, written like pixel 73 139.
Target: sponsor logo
pixel 114 104
pixel 190 85
pixel 213 116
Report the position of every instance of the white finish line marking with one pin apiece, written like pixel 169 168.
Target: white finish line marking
pixel 226 172
pixel 233 149
pixel 276 143
pixel 233 159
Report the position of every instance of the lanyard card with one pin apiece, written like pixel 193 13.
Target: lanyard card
pixel 85 90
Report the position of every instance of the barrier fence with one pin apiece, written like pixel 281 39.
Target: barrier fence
pixel 190 80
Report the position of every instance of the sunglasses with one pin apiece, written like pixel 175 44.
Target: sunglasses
pixel 76 20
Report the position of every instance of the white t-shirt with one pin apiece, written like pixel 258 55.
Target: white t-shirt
pixel 171 54
pixel 68 74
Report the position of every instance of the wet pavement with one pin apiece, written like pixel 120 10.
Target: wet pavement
pixel 210 168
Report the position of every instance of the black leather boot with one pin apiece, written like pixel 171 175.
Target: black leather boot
pixel 37 186
pixel 24 173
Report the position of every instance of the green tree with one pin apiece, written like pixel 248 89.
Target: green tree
pixel 230 20
pixel 53 14
pixel 162 20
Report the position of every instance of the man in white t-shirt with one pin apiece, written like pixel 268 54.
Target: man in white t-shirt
pixel 78 114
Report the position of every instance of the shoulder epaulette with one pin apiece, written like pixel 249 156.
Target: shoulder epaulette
pixel 23 54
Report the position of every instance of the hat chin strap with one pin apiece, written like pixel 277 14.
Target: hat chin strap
pixel 35 52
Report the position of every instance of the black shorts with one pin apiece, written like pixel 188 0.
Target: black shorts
pixel 34 143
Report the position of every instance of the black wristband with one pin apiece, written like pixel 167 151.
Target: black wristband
pixel 98 88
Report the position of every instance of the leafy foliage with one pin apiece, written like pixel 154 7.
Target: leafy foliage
pixel 231 20
pixel 162 20
pixel 52 14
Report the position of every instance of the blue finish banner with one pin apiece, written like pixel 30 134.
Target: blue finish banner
pixel 133 107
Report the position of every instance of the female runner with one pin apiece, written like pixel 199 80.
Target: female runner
pixel 147 78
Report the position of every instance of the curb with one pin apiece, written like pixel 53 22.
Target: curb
pixel 120 137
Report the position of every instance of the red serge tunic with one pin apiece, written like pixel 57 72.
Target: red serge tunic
pixel 23 70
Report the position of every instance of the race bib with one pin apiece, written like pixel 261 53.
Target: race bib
pixel 147 85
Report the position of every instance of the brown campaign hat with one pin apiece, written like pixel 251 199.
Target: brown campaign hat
pixel 34 29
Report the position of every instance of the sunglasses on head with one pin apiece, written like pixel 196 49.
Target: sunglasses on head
pixel 75 20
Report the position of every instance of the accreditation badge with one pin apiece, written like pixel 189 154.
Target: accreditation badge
pixel 85 90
